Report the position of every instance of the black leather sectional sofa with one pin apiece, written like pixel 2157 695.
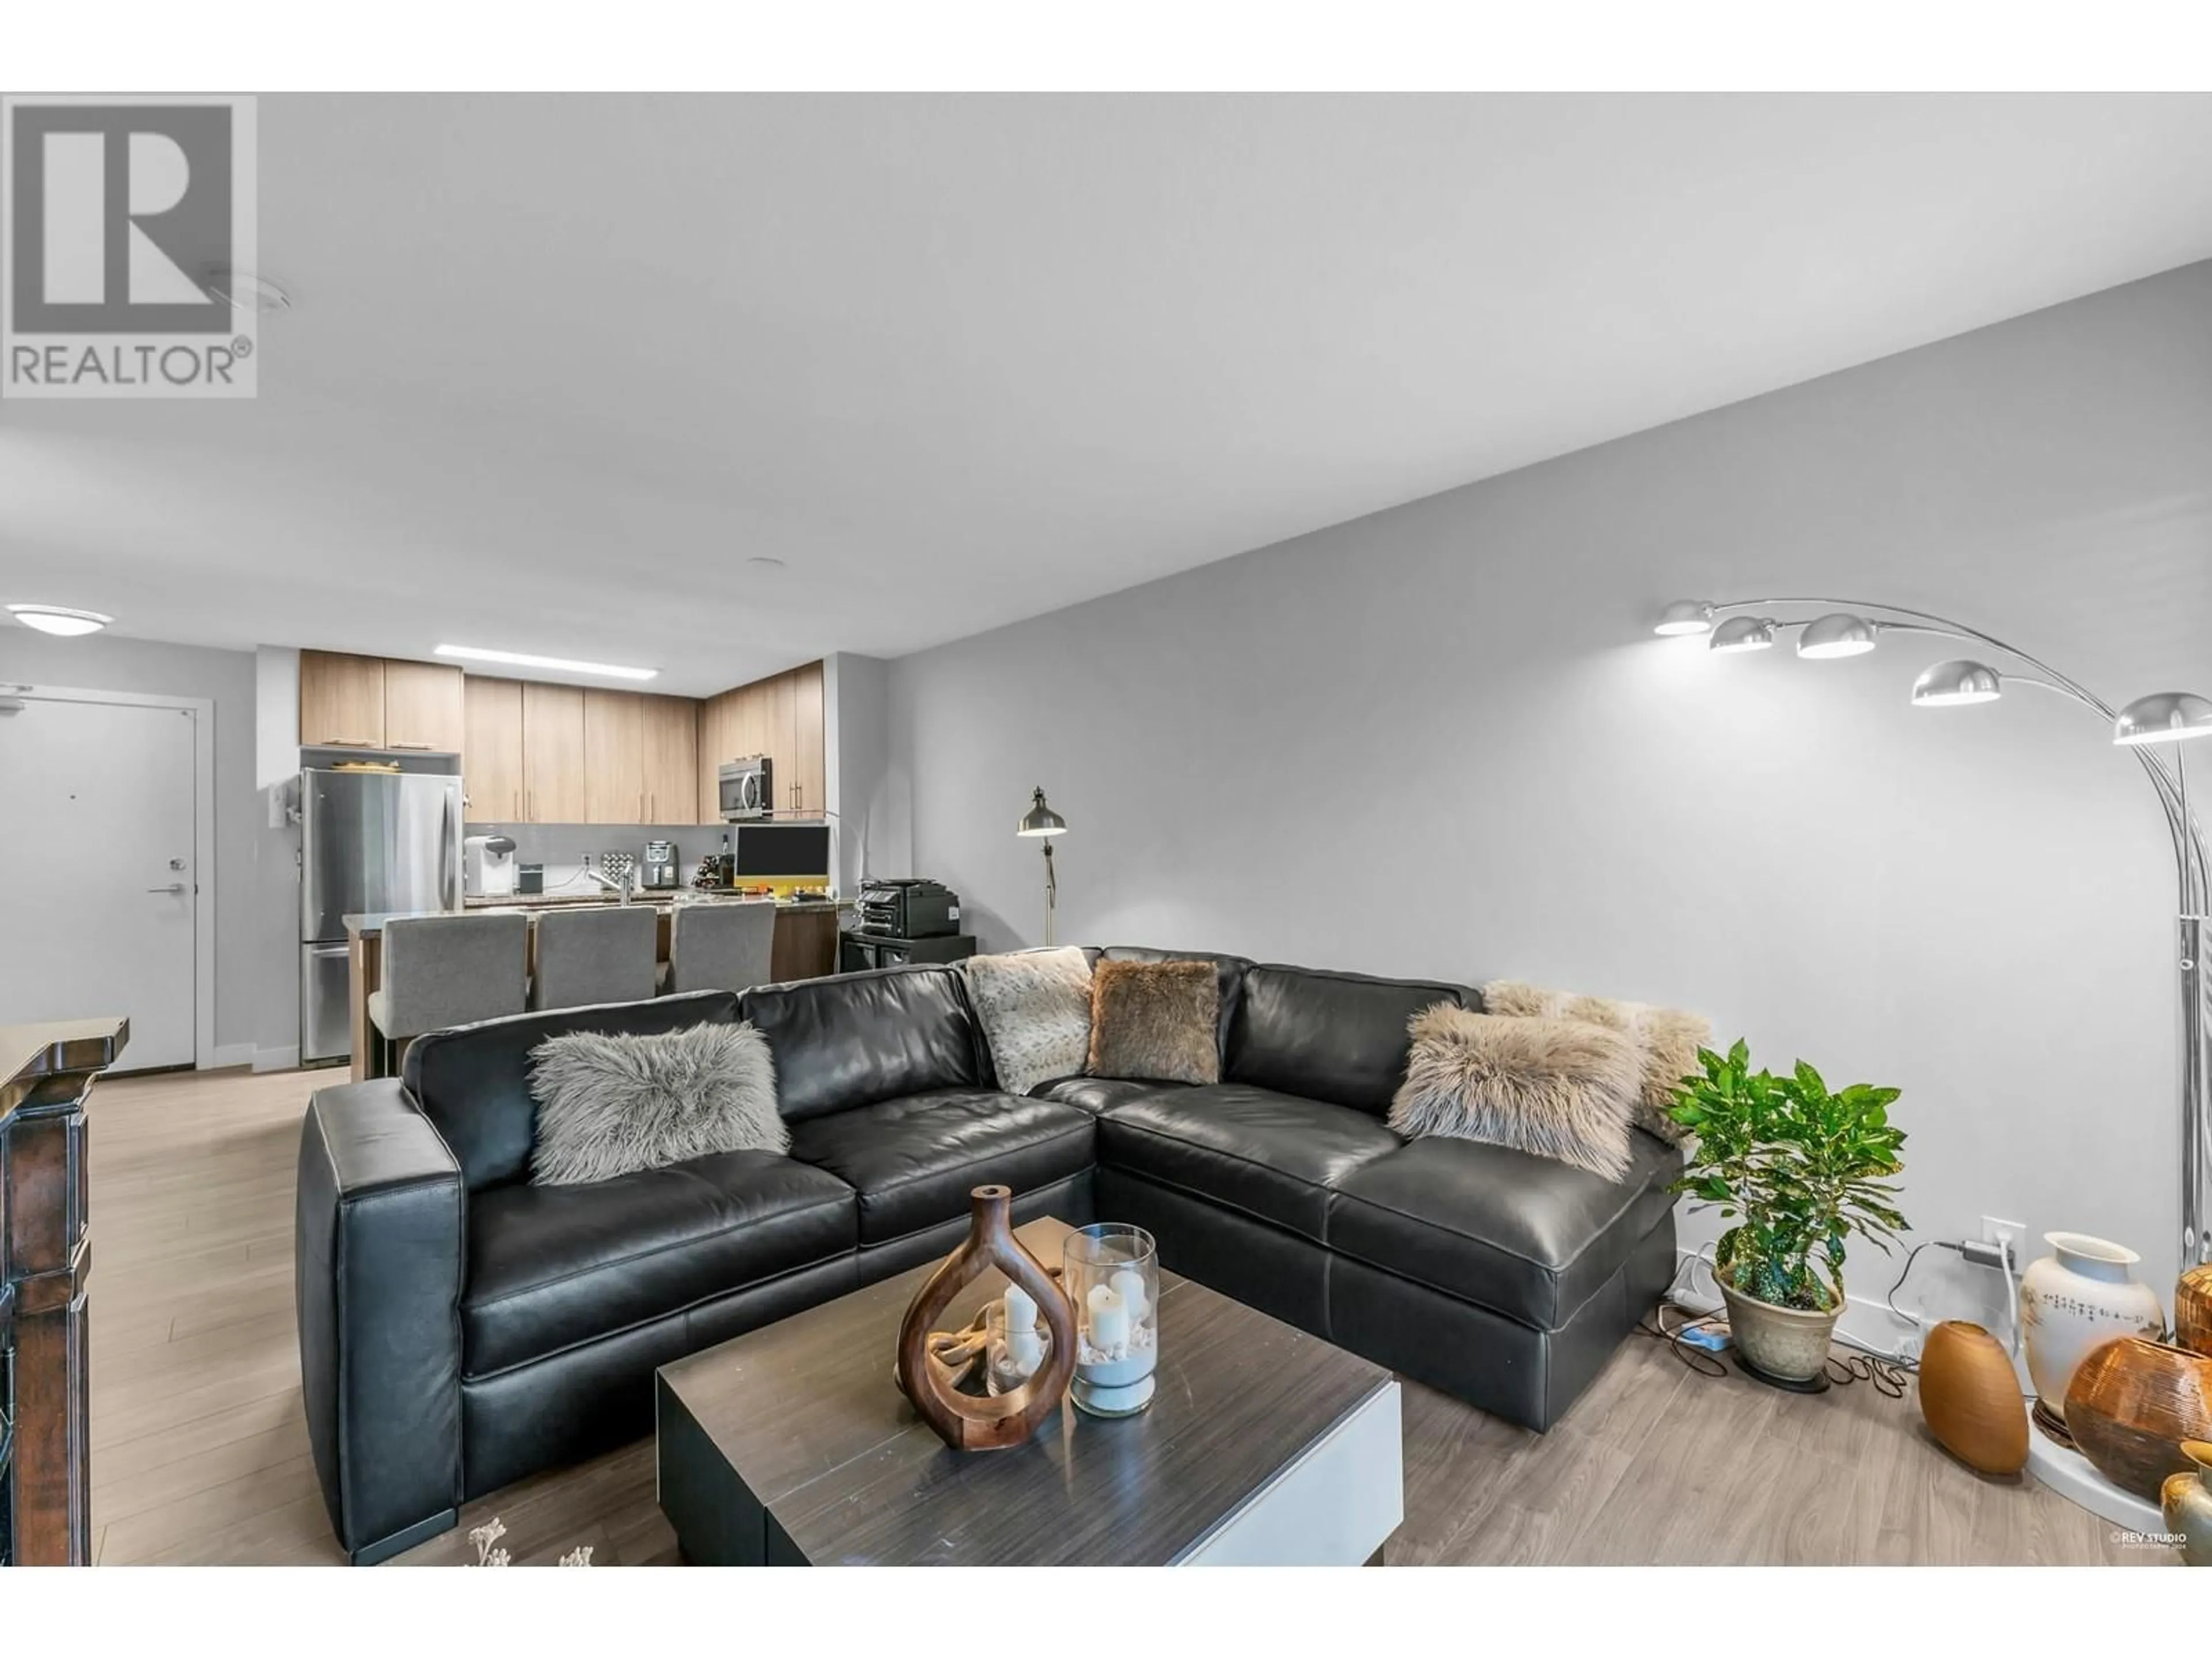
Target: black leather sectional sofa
pixel 461 1329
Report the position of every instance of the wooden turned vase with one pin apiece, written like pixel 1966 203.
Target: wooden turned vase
pixel 969 1422
pixel 2131 1406
pixel 2192 1309
pixel 1971 1399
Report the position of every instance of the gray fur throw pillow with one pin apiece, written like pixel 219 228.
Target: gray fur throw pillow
pixel 1035 1010
pixel 1559 1088
pixel 1155 1020
pixel 1667 1040
pixel 608 1105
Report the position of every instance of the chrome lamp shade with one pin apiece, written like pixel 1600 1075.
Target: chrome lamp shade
pixel 1040 819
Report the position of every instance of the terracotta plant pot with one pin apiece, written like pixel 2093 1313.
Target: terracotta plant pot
pixel 2131 1405
pixel 1971 1399
pixel 2185 1501
pixel 1789 1343
pixel 2192 1309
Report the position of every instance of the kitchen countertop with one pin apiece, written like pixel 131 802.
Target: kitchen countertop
pixel 370 923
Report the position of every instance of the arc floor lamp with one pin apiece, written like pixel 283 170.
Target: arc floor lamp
pixel 2153 728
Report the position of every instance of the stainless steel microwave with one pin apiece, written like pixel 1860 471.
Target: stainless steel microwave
pixel 748 789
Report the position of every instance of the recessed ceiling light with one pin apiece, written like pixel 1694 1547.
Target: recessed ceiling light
pixel 59 618
pixel 762 562
pixel 563 664
pixel 241 290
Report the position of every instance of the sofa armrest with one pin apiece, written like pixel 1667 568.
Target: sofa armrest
pixel 380 1233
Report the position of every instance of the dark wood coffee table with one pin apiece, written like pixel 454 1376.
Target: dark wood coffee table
pixel 791 1445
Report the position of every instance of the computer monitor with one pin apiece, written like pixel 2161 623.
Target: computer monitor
pixel 764 849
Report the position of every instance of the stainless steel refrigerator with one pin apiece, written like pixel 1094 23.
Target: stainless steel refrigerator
pixel 369 841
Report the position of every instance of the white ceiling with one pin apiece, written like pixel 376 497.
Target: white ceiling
pixel 559 365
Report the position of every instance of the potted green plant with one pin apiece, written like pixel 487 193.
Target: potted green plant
pixel 1800 1169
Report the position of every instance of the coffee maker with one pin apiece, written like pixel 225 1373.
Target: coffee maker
pixel 487 866
pixel 656 869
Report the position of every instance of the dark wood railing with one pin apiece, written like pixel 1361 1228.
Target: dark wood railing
pixel 46 1074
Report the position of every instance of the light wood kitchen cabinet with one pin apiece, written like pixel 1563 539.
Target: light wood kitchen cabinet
pixel 554 789
pixel 491 750
pixel 808 741
pixel 341 701
pixel 423 707
pixel 614 757
pixel 671 759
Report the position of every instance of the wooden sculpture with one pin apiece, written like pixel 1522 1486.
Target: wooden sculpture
pixel 929 1370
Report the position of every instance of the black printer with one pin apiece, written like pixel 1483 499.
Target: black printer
pixel 911 908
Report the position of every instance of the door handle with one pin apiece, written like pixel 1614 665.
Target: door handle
pixel 396 744
pixel 174 887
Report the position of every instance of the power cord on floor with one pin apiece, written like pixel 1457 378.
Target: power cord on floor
pixel 1887 1373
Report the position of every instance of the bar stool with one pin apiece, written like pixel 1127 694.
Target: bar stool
pixel 445 970
pixel 594 955
pixel 719 947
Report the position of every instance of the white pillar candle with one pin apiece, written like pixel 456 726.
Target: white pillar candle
pixel 1129 1285
pixel 1021 1311
pixel 1109 1320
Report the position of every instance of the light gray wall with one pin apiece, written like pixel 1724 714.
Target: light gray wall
pixel 868 800
pixel 1441 740
pixel 255 962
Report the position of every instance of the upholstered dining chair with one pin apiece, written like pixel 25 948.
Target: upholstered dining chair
pixel 722 946
pixel 447 970
pixel 594 954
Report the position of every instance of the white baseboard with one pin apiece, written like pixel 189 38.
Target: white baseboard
pixel 229 1054
pixel 277 1059
pixel 1867 1321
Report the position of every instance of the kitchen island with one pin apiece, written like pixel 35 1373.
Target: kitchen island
pixel 805 945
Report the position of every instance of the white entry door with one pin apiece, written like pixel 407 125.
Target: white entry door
pixel 99 872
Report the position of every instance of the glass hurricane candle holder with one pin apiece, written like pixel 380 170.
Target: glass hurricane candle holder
pixel 1111 1272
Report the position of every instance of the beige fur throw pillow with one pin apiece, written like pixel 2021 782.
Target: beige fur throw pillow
pixel 1667 1039
pixel 1035 1009
pixel 1155 1020
pixel 1559 1088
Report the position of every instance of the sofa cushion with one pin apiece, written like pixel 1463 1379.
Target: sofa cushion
pixel 1034 1009
pixel 1155 1020
pixel 914 1160
pixel 1338 1037
pixel 1273 1155
pixel 854 1039
pixel 552 1267
pixel 1527 1237
pixel 472 1082
pixel 1098 1094
pixel 609 1105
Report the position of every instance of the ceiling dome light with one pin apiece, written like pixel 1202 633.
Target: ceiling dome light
pixel 1954 684
pixel 1742 634
pixel 1839 634
pixel 765 561
pixel 2164 717
pixel 1686 617
pixel 241 290
pixel 59 619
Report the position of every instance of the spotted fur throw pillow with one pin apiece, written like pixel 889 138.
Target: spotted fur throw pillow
pixel 1035 1008
pixel 1563 1089
pixel 609 1105
pixel 1667 1039
pixel 1155 1020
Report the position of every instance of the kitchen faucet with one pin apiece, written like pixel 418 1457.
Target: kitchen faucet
pixel 621 889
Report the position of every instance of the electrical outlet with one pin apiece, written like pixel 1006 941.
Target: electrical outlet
pixel 2012 1234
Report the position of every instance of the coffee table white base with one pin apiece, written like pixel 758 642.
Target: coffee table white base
pixel 1330 1507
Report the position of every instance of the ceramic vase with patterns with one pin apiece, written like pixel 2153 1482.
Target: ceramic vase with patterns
pixel 2192 1309
pixel 1970 1399
pixel 2185 1501
pixel 2131 1407
pixel 2082 1296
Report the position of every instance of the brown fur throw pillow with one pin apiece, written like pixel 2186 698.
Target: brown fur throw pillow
pixel 1667 1039
pixel 1155 1020
pixel 1559 1088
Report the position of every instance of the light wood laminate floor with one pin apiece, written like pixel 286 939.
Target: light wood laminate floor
pixel 199 1448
